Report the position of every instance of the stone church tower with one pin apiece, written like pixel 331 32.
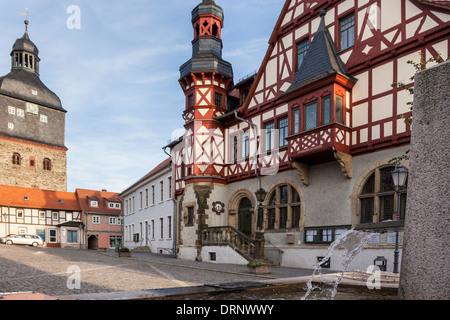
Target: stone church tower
pixel 32 125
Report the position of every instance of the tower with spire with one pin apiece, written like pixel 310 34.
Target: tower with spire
pixel 205 79
pixel 32 124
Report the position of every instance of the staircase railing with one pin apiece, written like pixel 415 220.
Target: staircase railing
pixel 227 235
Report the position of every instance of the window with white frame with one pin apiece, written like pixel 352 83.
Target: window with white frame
pixel 113 220
pixel 96 219
pixel 11 110
pixel 55 215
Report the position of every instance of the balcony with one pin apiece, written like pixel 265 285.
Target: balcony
pixel 319 145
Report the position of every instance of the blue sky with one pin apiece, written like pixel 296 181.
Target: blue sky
pixel 117 76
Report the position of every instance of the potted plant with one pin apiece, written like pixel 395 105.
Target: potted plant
pixel 124 252
pixel 259 267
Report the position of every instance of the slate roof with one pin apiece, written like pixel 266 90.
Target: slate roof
pixel 321 60
pixel 39 199
pixel 21 82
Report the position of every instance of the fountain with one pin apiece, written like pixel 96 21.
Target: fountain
pixel 353 241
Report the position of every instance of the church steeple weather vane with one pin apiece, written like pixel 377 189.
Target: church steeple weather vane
pixel 26 14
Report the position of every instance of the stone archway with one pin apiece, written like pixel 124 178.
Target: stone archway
pixel 233 207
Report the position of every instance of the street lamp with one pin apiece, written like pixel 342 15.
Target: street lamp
pixel 259 236
pixel 399 176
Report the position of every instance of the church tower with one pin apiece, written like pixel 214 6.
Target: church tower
pixel 205 80
pixel 32 124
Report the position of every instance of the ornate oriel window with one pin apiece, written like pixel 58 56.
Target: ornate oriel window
pixel 377 197
pixel 284 207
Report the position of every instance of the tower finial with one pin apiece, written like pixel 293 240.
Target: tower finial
pixel 26 14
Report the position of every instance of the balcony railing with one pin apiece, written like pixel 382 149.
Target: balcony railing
pixel 331 137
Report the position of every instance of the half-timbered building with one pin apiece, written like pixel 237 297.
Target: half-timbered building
pixel 55 216
pixel 316 128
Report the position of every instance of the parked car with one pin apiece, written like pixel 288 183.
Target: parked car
pixel 27 239
pixel 3 239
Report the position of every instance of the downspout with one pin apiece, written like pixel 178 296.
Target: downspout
pixel 256 145
pixel 174 215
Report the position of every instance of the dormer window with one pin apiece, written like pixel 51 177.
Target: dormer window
pixel 93 203
pixel 114 205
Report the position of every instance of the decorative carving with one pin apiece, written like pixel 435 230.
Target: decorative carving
pixel 302 171
pixel 218 207
pixel 345 161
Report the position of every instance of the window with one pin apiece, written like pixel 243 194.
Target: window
pixel 19 213
pixel 161 223
pixel 11 110
pixel 96 219
pixel 41 215
pixel 47 164
pixel 218 100
pixel 169 187
pixel 190 216
pixel 245 145
pixel 347 32
pixel 235 149
pixel 296 121
pixel 169 227
pixel 53 237
pixel 141 199
pixel 283 208
pixel 55 216
pixel 282 132
pixel 339 109
pixel 324 234
pixel 146 198
pixel 10 126
pixel 20 113
pixel 153 194
pixel 44 118
pixel 377 198
pixel 72 236
pixel 326 110
pixel 161 184
pixel 32 162
pixel 191 101
pixel 270 136
pixel 16 159
pixel 311 115
pixel 112 220
pixel 302 49
pixel 94 203
pixel 69 216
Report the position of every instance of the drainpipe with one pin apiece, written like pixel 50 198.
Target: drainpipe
pixel 174 215
pixel 256 145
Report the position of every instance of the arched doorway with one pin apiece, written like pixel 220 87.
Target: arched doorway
pixel 245 216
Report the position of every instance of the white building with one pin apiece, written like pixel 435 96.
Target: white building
pixel 148 212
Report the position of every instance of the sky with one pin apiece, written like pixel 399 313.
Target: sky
pixel 115 66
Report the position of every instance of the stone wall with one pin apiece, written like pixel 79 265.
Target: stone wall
pixel 27 176
pixel 425 272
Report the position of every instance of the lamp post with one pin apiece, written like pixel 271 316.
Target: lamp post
pixel 259 236
pixel 399 176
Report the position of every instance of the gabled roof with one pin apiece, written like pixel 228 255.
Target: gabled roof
pixel 84 196
pixel 154 171
pixel 321 60
pixel 38 199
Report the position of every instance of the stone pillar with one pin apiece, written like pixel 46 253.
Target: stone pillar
pixel 425 269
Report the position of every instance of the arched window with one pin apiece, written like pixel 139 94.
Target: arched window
pixel 377 197
pixel 16 159
pixel 32 162
pixel 283 209
pixel 47 164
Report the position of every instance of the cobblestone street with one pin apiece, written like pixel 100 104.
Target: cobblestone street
pixel 45 270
